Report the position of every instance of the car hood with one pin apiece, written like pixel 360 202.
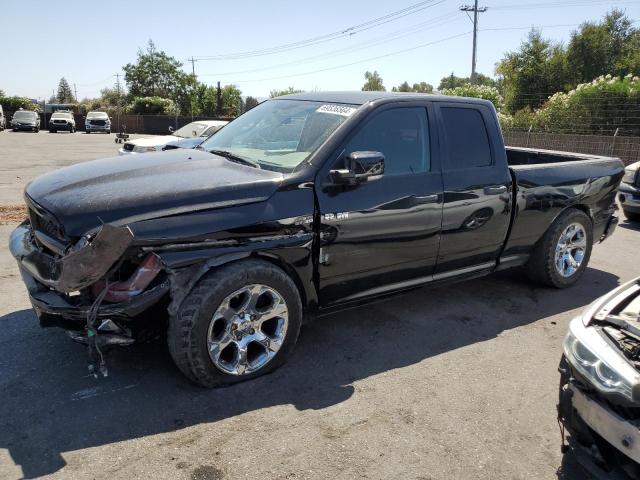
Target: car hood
pixel 156 141
pixel 121 191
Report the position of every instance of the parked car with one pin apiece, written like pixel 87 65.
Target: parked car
pixel 600 384
pixel 3 120
pixel 62 121
pixel 193 142
pixel 156 144
pixel 25 120
pixel 97 122
pixel 630 192
pixel 304 205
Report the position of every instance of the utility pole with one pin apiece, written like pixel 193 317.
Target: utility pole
pixel 193 72
pixel 475 9
pixel 75 92
pixel 117 75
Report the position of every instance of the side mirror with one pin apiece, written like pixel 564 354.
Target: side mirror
pixel 170 129
pixel 360 166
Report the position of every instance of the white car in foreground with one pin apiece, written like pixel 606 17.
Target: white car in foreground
pixel 600 385
pixel 155 144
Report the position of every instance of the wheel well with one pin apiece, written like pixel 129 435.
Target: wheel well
pixel 282 265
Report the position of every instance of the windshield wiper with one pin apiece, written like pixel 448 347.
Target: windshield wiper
pixel 235 158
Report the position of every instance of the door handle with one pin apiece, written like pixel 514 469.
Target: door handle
pixel 495 189
pixel 427 198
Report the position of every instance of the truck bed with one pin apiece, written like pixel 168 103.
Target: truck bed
pixel 548 181
pixel 534 156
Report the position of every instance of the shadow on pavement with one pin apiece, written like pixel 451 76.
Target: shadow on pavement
pixel 630 225
pixel 49 405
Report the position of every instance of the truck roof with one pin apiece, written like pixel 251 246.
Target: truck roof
pixel 360 98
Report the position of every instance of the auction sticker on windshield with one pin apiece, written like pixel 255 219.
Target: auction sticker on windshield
pixel 336 110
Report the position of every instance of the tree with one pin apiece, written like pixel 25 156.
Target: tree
pixel 231 101
pixel 157 74
pixel 602 48
pixel 152 106
pixel 286 91
pixel 452 81
pixel 11 104
pixel 2 94
pixel 111 96
pixel 64 95
pixel 532 73
pixel 249 103
pixel 373 82
pixel 422 87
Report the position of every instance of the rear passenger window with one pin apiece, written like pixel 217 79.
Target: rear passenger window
pixel 467 138
pixel 401 135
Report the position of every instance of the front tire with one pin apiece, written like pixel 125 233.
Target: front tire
pixel 561 256
pixel 240 321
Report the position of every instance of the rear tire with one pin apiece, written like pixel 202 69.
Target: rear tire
pixel 561 256
pixel 218 324
pixel 631 216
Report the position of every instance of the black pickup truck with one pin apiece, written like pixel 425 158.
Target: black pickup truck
pixel 305 204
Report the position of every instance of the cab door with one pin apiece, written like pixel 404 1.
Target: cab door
pixel 477 189
pixel 383 234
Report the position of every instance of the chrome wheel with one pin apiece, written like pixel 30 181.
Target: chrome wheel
pixel 247 329
pixel 570 249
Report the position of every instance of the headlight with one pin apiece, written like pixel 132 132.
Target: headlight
pixel 599 362
pixel 629 175
pixel 141 149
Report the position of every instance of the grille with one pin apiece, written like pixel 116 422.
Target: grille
pixel 98 122
pixel 46 225
pixel 59 121
pixel 128 147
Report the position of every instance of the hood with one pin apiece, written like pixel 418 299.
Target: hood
pixel 187 142
pixel 120 190
pixel 153 141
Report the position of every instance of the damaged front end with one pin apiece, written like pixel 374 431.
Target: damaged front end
pixel 93 285
pixel 599 401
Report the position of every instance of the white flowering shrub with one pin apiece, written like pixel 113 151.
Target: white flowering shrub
pixel 599 106
pixel 476 91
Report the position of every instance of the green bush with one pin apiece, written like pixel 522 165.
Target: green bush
pixel 601 106
pixel 152 106
pixel 477 91
pixel 11 104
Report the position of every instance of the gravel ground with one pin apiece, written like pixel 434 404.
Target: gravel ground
pixel 457 382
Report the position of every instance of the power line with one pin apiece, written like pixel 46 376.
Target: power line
pixel 404 50
pixel 349 31
pixel 435 22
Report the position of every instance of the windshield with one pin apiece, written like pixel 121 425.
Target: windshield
pixel 279 134
pixel 193 129
pixel 96 115
pixel 211 130
pixel 61 115
pixel 23 115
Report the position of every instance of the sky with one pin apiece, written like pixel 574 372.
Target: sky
pixel 233 42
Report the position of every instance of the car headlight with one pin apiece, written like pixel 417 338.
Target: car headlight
pixel 629 176
pixel 599 362
pixel 142 149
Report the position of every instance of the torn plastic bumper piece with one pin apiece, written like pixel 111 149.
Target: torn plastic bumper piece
pixel 85 263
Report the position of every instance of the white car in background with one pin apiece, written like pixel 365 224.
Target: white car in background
pixel 97 122
pixel 157 143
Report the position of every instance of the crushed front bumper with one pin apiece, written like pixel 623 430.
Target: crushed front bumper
pixel 605 442
pixel 79 267
pixel 54 281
